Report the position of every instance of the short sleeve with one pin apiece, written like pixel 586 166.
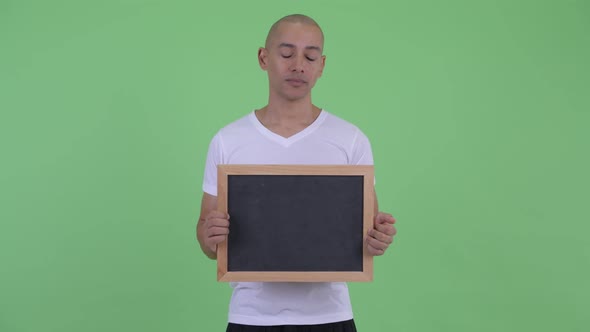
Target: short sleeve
pixel 361 150
pixel 214 158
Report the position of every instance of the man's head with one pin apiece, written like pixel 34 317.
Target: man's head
pixel 293 57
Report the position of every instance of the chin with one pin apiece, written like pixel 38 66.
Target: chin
pixel 296 96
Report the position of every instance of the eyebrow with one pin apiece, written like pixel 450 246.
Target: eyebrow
pixel 317 48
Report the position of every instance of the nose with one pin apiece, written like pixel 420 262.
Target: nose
pixel 297 64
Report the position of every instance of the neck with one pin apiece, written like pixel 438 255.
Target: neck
pixel 289 112
pixel 287 118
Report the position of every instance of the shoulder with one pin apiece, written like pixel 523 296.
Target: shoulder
pixel 237 128
pixel 341 126
pixel 245 122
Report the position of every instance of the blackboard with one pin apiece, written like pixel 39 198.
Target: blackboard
pixel 296 222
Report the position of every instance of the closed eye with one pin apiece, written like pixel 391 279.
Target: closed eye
pixel 310 59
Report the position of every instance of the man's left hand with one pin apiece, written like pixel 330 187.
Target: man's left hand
pixel 381 236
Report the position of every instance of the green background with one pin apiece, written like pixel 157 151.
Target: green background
pixel 478 112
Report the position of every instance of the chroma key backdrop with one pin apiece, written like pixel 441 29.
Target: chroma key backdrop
pixel 477 111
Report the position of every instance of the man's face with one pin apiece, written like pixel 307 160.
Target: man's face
pixel 293 59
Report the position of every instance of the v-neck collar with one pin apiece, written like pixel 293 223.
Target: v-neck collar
pixel 287 141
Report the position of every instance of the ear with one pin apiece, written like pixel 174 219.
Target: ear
pixel 322 64
pixel 263 58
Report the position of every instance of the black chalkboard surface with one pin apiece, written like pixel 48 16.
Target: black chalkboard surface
pixel 296 222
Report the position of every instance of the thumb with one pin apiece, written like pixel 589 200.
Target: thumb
pixel 383 218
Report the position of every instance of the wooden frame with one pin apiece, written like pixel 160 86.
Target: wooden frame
pixel 298 276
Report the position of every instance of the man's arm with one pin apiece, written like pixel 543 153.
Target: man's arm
pixel 381 236
pixel 213 226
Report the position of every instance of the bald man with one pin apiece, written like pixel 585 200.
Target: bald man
pixel 290 129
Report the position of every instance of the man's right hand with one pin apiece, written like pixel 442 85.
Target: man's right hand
pixel 213 226
pixel 215 229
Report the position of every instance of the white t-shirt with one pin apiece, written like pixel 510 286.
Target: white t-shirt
pixel 329 140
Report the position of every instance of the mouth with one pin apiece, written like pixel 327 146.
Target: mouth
pixel 296 81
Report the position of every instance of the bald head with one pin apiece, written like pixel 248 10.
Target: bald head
pixel 294 18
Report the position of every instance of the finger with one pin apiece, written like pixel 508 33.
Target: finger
pixel 380 236
pixel 383 218
pixel 374 251
pixel 212 243
pixel 216 222
pixel 213 231
pixel 217 215
pixel 376 243
pixel 387 229
pixel 215 240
